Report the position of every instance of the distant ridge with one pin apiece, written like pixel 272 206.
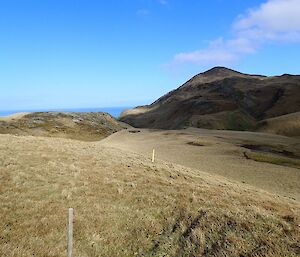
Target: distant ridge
pixel 219 73
pixel 220 98
pixel 85 126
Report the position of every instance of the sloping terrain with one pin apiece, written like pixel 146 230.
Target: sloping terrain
pixel 288 125
pixel 76 125
pixel 220 99
pixel 125 205
pixel 266 161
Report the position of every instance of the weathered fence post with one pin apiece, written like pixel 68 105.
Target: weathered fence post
pixel 153 155
pixel 70 232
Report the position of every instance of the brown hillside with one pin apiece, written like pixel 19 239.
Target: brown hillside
pixel 288 125
pixel 74 125
pixel 220 99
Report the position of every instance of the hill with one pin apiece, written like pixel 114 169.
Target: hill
pixel 220 99
pixel 288 125
pixel 125 205
pixel 76 125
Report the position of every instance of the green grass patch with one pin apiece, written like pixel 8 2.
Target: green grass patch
pixel 238 121
pixel 199 143
pixel 273 159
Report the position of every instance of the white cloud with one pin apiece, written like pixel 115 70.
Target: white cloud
pixel 274 15
pixel 219 52
pixel 216 52
pixel 272 21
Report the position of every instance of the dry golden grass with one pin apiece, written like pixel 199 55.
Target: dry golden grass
pixel 126 206
pixel 220 153
pixel 288 125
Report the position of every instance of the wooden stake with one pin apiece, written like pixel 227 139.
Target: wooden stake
pixel 153 155
pixel 70 232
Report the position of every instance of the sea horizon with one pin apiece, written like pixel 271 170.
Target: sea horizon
pixel 113 111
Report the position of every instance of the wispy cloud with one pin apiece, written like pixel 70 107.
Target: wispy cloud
pixel 272 21
pixel 163 2
pixel 219 52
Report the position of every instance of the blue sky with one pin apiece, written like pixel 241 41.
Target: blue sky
pixel 99 53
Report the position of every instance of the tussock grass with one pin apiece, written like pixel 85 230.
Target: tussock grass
pixel 199 143
pixel 126 206
pixel 273 159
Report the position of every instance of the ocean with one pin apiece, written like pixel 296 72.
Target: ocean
pixel 114 111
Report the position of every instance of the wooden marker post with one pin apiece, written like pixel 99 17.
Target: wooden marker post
pixel 153 155
pixel 70 232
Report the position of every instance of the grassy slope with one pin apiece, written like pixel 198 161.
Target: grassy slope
pixel 89 126
pixel 288 125
pixel 228 120
pixel 220 153
pixel 221 99
pixel 273 159
pixel 127 206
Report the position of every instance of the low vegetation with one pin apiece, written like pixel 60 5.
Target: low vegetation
pixel 200 143
pixel 222 98
pixel 90 126
pixel 126 206
pixel 273 159
pixel 288 125
pixel 238 121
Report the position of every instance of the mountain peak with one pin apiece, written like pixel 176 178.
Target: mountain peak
pixel 221 98
pixel 215 73
pixel 218 70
